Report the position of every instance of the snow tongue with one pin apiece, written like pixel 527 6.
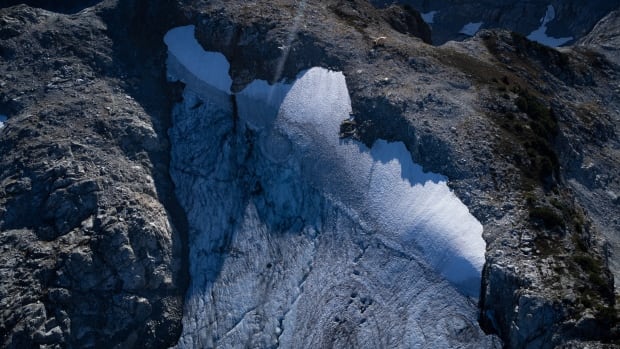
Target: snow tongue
pixel 302 239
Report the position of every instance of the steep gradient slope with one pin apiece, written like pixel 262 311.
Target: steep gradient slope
pixel 553 22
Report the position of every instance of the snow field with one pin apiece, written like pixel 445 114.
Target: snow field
pixel 471 28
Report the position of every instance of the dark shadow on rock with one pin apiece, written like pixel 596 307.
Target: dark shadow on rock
pixel 137 29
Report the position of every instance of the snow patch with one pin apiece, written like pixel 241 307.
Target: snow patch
pixel 209 67
pixel 3 119
pixel 540 34
pixel 471 28
pixel 429 17
pixel 259 102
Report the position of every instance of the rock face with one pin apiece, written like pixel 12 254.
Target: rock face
pixel 572 18
pixel 605 37
pixel 94 245
pixel 92 252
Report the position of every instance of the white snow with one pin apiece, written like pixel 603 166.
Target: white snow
pixel 471 28
pixel 3 119
pixel 540 34
pixel 382 185
pixel 429 17
pixel 330 216
pixel 209 67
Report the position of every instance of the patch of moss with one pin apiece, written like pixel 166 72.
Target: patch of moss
pixel 593 267
pixel 546 246
pixel 529 56
pixel 481 71
pixel 607 314
pixel 535 134
pixel 542 119
pixel 546 216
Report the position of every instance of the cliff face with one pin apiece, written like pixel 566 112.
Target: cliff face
pixel 92 245
pixel 91 229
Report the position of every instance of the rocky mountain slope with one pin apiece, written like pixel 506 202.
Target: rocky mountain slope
pixel 571 19
pixel 94 240
pixel 92 244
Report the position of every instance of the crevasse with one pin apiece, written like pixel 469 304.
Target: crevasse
pixel 301 239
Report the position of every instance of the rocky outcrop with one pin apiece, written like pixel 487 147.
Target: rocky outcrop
pixel 92 245
pixel 572 18
pixel 605 37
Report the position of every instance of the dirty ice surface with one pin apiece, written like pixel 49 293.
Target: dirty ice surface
pixel 540 34
pixel 380 186
pixel 471 28
pixel 256 282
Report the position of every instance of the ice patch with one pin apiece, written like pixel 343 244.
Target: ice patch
pixel 540 34
pixel 381 185
pixel 293 228
pixel 471 28
pixel 3 119
pixel 429 17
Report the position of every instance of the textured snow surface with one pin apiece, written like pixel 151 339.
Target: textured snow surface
pixel 540 34
pixel 301 239
pixel 471 28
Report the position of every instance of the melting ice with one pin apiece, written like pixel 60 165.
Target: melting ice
pixel 338 223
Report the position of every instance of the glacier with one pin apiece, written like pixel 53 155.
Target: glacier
pixel 301 239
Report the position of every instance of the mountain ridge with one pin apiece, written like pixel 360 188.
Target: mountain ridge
pixel 478 90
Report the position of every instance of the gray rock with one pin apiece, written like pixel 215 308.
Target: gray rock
pixel 69 278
